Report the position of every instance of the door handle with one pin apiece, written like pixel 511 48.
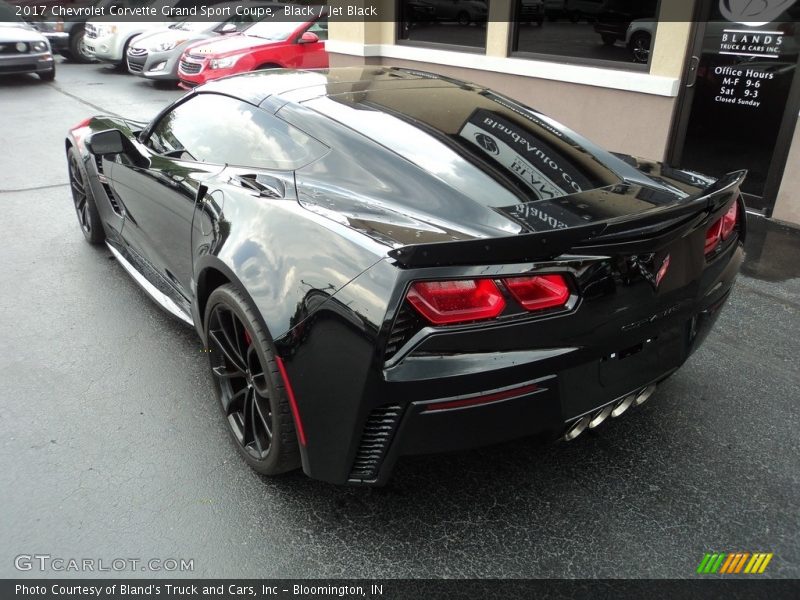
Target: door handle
pixel 691 75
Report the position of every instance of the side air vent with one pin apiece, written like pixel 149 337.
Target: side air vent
pixel 405 326
pixel 375 439
pixel 112 199
pixel 264 185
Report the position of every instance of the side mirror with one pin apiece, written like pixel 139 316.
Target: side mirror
pixel 308 38
pixel 110 141
pixel 228 28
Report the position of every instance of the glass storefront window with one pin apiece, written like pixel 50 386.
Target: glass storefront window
pixel 455 24
pixel 615 32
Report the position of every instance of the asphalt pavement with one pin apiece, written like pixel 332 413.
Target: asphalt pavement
pixel 112 446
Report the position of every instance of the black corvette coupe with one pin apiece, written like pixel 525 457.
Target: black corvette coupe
pixel 386 262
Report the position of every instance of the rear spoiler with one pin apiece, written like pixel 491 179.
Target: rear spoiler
pixel 544 245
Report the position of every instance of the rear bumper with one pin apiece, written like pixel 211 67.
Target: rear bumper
pixel 546 405
pixel 485 385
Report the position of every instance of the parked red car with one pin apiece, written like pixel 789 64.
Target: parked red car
pixel 263 45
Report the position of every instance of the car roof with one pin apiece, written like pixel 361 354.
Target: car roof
pixel 387 123
pixel 373 100
pixel 283 85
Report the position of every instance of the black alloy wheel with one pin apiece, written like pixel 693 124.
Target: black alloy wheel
pixel 85 207
pixel 248 384
pixel 640 47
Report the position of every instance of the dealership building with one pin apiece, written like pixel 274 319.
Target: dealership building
pixel 689 82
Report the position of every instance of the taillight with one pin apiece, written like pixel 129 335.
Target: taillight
pixel 445 302
pixel 729 220
pixel 538 292
pixel 712 236
pixel 722 228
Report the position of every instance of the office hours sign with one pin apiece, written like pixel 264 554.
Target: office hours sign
pixel 746 63
pixel 745 83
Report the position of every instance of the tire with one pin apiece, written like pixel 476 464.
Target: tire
pixel 82 198
pixel 608 39
pixel 122 67
pixel 248 384
pixel 267 66
pixel 77 52
pixel 640 46
pixel 48 75
pixel 463 18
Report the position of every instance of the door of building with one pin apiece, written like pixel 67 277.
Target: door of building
pixel 740 94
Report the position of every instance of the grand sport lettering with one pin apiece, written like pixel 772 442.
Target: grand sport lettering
pixel 370 278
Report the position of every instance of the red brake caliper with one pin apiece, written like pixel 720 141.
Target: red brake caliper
pixel 247 337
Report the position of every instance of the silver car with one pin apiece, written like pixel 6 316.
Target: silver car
pixel 155 54
pixel 22 48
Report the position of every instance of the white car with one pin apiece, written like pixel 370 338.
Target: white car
pixel 639 39
pixel 107 39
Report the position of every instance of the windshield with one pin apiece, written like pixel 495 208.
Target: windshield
pixel 273 30
pixel 192 25
pixel 8 16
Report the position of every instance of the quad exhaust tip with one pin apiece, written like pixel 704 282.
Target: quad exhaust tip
pixel 642 396
pixel 622 405
pixel 576 428
pixel 615 409
pixel 600 416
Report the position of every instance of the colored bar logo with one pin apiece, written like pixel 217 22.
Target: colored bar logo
pixel 731 563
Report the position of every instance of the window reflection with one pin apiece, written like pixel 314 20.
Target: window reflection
pixel 525 156
pixel 482 145
pixel 619 31
pixel 218 129
pixel 448 22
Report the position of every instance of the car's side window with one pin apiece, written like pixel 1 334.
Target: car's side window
pixel 320 28
pixel 166 136
pixel 219 129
